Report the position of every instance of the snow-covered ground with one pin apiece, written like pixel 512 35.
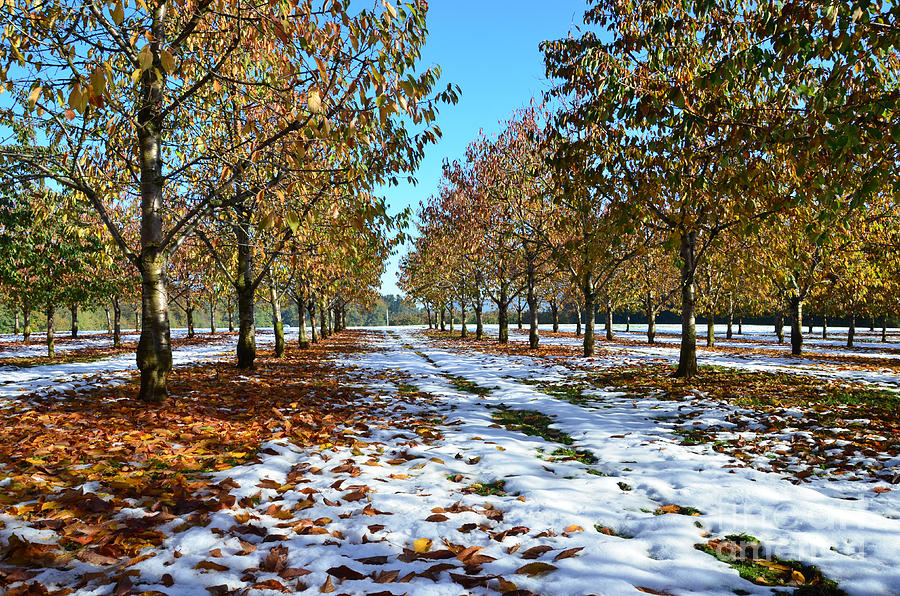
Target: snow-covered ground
pixel 54 378
pixel 592 526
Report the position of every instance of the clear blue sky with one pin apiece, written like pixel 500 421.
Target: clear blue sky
pixel 490 49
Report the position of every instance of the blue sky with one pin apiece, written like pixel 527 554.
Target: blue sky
pixel 490 49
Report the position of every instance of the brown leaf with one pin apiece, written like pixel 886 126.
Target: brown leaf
pixel 327 587
pixel 536 569
pixel 437 517
pixel 536 551
pixel 568 553
pixel 343 572
pixel 276 560
pixel 211 566
pixel 387 577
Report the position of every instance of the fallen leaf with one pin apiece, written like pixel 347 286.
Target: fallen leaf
pixel 536 569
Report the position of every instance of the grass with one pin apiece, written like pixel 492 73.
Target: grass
pixel 487 489
pixel 466 385
pixel 610 532
pixel 746 555
pixel 568 454
pixel 407 388
pixel 532 423
pixel 677 509
pixel 570 392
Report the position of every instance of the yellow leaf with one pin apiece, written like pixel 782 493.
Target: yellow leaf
pixel 34 96
pixel 136 76
pixel 798 577
pixel 422 545
pixel 118 13
pixel 145 58
pixel 167 60
pixel 314 101
pixel 574 528
pixel 98 81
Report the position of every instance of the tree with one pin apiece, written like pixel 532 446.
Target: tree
pixel 102 82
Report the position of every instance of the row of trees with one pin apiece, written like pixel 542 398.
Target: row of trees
pixel 232 135
pixel 706 156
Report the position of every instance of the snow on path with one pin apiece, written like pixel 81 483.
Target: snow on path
pixel 855 542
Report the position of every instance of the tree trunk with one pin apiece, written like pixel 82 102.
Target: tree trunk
pixel 246 292
pixel 137 319
pixel 710 330
pixel 428 314
pixel 189 311
pixel 519 312
pixel 344 317
pixel 16 321
pixel 651 326
pixel 554 314
pixel 779 326
pixel 329 320
pixel 796 325
pixel 503 313
pixel 73 310
pixel 608 323
pixel 230 317
pixel 108 321
pixel 246 344
pixel 810 332
pixel 311 308
pixel 687 359
pixel 627 322
pixel 531 298
pixel 740 325
pixel 479 320
pixel 154 353
pixel 729 332
pixel 212 317
pixel 872 324
pixel 51 347
pixel 117 322
pixel 301 324
pixel 851 332
pixel 884 328
pixel 824 326
pixel 26 323
pixel 587 289
pixel 443 318
pixel 277 322
pixel 463 331
pixel 323 324
pixel 451 317
pixel 577 319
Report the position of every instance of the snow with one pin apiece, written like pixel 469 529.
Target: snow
pixel 641 466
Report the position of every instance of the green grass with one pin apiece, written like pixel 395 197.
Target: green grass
pixel 467 385
pixel 610 532
pixel 532 423
pixel 486 489
pixel 570 392
pixel 746 555
pixel 407 388
pixel 878 398
pixel 568 454
pixel 679 511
